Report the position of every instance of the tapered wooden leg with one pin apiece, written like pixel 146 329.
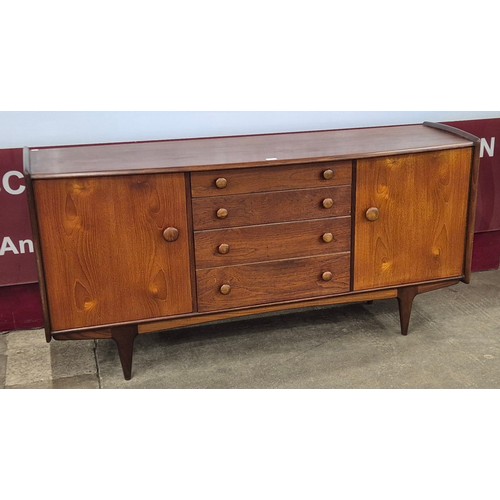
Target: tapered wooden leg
pixel 124 337
pixel 405 300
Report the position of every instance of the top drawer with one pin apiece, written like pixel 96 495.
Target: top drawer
pixel 255 180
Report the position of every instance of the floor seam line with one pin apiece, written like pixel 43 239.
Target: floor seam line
pixel 98 370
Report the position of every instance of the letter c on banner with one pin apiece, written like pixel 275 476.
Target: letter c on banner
pixel 7 186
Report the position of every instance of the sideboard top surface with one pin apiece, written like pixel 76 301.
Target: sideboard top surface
pixel 237 151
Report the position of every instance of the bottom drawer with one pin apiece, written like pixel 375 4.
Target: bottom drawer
pixel 278 281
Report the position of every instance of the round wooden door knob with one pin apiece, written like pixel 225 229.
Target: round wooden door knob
pixel 327 276
pixel 327 237
pixel 328 174
pixel 225 289
pixel 221 182
pixel 372 214
pixel 223 248
pixel 171 234
pixel 327 203
pixel 222 213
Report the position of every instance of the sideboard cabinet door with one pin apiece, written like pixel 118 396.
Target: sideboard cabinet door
pixel 411 214
pixel 115 249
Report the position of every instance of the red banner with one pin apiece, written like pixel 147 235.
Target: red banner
pixel 488 202
pixel 17 259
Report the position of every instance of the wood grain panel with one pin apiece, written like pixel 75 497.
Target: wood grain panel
pixel 272 242
pixel 240 151
pixel 275 281
pixel 264 208
pixel 104 255
pixel 420 234
pixel 255 180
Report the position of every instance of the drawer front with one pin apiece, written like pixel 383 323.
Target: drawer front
pixel 255 180
pixel 242 245
pixel 278 281
pixel 265 208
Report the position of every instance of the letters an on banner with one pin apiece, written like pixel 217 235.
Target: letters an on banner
pixel 17 258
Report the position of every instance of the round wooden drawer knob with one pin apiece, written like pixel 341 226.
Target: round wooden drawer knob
pixel 327 203
pixel 328 174
pixel 327 276
pixel 327 237
pixel 221 183
pixel 223 248
pixel 171 234
pixel 222 213
pixel 372 214
pixel 225 289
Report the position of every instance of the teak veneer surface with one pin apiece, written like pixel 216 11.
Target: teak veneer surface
pixel 105 257
pixel 420 234
pixel 259 150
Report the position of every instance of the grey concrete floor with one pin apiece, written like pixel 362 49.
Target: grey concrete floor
pixel 454 342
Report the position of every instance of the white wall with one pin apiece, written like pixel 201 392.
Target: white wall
pixel 46 128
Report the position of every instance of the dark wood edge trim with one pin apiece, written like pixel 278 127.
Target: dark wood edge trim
pixel 38 248
pixel 87 335
pixel 436 286
pixel 260 308
pixel 453 130
pixel 471 215
pixel 429 287
pixel 192 258
pixel 415 283
pixel 229 166
pixel 354 190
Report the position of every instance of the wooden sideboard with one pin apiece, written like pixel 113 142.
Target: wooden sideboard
pixel 144 237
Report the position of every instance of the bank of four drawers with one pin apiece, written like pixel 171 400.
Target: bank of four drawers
pixel 271 234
